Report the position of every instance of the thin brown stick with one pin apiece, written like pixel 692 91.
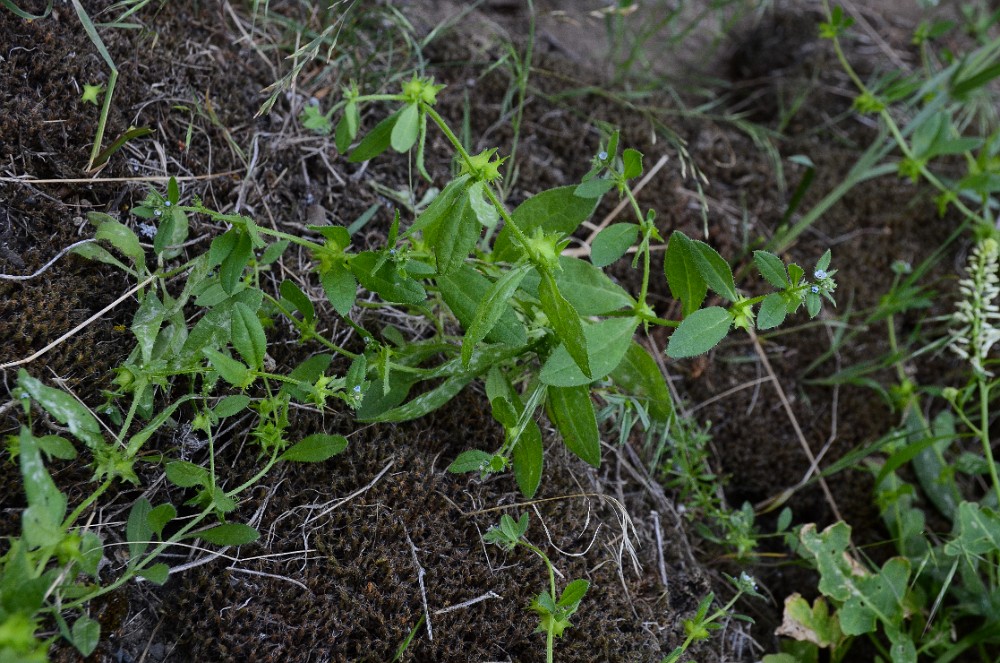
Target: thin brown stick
pixel 104 180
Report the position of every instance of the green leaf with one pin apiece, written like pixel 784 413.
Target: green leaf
pixel 715 270
pixel 386 281
pixel 813 304
pixel 119 236
pixel 492 307
pixel 795 274
pixel 376 142
pixel 455 235
pixel 66 409
pixel 298 299
pixel 56 446
pixel 172 232
pixel 159 516
pixel 86 634
pixel 91 554
pixel 595 187
pixel 231 370
pixel 231 269
pixel 572 412
pixel 229 534
pixel 977 533
pixel 248 335
pixel 465 291
pixel 231 405
pixel 347 128
pixel 813 623
pixel 404 131
pixel 824 261
pixel 566 322
pixel 587 288
pixel 612 243
pixel 156 574
pixel 573 593
pixel 528 461
pixel 699 332
pixel 772 311
pixel 100 254
pixel 470 461
pixel 340 287
pixel 186 475
pixel 639 375
pixel 632 161
pixel 424 403
pixel 315 448
pixel 137 529
pixel 146 324
pixel 441 205
pixel 41 522
pixel 685 281
pixel 771 268
pixel 555 210
pixel 485 212
pixel 607 342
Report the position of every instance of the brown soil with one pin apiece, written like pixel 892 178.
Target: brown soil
pixel 347 589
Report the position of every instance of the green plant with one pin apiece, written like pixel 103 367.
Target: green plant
pixel 539 328
pixel 553 615
pixel 700 626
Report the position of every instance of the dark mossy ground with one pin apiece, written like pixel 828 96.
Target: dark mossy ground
pixel 335 574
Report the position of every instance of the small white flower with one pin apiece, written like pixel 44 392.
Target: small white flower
pixel 602 156
pixel 166 203
pixel 157 212
pixel 977 316
pixel 147 229
pixel 815 289
pixel 820 274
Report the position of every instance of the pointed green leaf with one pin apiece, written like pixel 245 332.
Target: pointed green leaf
pixel 470 461
pixel 465 291
pixel 186 475
pixel 159 516
pixel 340 287
pixel 232 371
pixel 156 573
pixel 248 335
pixel 66 409
pixel 572 412
pixel 566 322
pixel 632 161
pixel 386 281
pixel 485 212
pixel 454 237
pixel 119 236
pixel 137 529
pixel 771 268
pixel 612 243
pixel 86 633
pixel 699 332
pixel 573 593
pixel 491 308
pixel 315 448
pixel 715 270
pixel 555 210
pixel 528 461
pixel 685 281
pixel 41 522
pixel 146 324
pixel 231 269
pixel 639 375
pixel 607 342
pixel 298 299
pixel 404 131
pixel 772 311
pixel 376 142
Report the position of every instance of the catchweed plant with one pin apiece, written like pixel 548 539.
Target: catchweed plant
pixel 539 328
pixel 553 614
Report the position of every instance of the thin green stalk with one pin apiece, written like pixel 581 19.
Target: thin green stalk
pixel 95 38
pixel 984 432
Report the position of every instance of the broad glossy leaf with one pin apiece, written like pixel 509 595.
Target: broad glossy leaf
pixel 607 342
pixel 119 236
pixel 632 162
pixel 386 280
pixel 41 522
pixel 573 593
pixel 572 412
pixel 485 212
pixel 612 243
pixel 699 332
pixel 315 448
pixel 587 288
